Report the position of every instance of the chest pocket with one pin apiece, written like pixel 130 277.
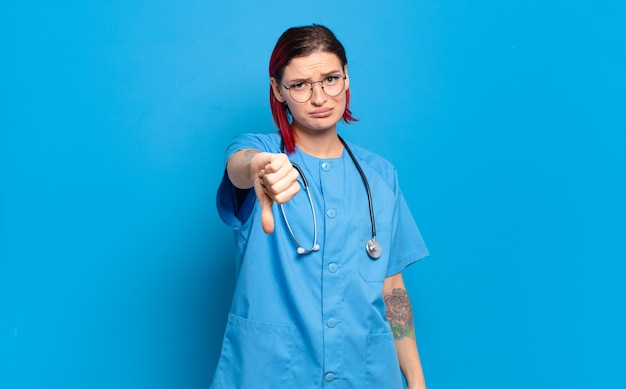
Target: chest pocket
pixel 374 270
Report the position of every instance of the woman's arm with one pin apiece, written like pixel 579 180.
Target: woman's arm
pixel 400 317
pixel 271 175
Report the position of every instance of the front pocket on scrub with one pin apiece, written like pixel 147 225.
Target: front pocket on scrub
pixel 382 367
pixel 255 354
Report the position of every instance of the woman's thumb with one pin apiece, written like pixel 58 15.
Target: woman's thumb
pixel 267 217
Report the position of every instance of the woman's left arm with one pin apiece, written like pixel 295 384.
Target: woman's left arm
pixel 400 317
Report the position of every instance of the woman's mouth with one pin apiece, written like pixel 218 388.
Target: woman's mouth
pixel 322 113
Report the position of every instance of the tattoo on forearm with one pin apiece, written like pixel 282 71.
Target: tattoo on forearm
pixel 248 154
pixel 400 314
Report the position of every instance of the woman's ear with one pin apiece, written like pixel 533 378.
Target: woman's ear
pixel 345 71
pixel 277 90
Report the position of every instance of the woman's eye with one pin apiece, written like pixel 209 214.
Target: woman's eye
pixel 331 80
pixel 300 85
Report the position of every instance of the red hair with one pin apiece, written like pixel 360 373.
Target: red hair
pixel 300 42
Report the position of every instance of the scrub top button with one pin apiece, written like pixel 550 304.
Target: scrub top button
pixel 329 377
pixel 331 213
pixel 332 267
pixel 331 323
pixel 325 166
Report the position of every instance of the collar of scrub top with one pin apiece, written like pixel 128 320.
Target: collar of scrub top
pixel 372 246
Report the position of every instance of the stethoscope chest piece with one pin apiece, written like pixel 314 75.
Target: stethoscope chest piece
pixel 374 249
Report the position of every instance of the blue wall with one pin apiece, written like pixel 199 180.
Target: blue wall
pixel 505 120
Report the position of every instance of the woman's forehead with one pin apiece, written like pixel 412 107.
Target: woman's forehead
pixel 316 63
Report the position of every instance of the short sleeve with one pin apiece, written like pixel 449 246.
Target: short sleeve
pixel 408 245
pixel 235 205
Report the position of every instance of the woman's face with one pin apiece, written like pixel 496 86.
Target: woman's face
pixel 321 112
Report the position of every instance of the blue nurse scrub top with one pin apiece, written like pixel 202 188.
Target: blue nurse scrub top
pixel 315 320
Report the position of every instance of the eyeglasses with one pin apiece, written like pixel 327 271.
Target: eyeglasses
pixel 302 92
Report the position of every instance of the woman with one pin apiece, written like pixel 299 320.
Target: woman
pixel 314 304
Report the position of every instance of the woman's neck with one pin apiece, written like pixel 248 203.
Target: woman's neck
pixel 322 144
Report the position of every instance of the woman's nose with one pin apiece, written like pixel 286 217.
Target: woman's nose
pixel 318 96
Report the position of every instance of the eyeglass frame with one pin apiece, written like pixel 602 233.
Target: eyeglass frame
pixel 343 77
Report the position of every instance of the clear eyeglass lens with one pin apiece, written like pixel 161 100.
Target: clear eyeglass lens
pixel 332 86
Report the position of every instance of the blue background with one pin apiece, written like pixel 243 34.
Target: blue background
pixel 505 120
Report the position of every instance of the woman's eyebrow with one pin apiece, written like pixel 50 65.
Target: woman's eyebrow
pixel 331 73
pixel 325 74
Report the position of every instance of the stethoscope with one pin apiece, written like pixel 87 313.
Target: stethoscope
pixel 372 246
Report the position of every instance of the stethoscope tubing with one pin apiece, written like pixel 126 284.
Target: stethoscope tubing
pixel 301 249
pixel 367 186
pixel 372 246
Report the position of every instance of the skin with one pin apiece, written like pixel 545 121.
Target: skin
pixel 275 180
pixel 272 175
pixel 314 135
pixel 400 316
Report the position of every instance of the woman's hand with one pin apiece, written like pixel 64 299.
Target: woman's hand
pixel 275 180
